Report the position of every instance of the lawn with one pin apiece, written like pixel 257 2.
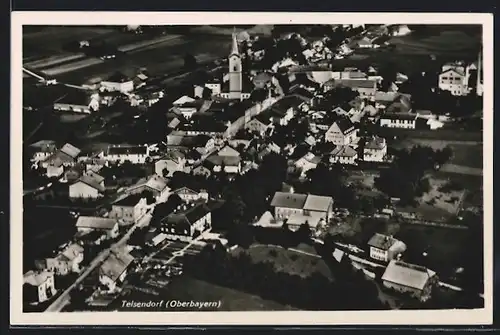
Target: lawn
pixel 289 261
pixel 186 288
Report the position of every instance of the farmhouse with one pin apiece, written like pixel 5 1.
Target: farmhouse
pixel 67 261
pixel 288 204
pixel 366 88
pixel 415 280
pixel 344 154
pixel 42 150
pixel 172 162
pixel 128 210
pixel 78 101
pixel 64 157
pixel 155 184
pixel 230 164
pixel 190 195
pixel 375 149
pixel 187 222
pixel 87 224
pixel 118 82
pixel 399 120
pixel 38 286
pixel 385 248
pixel 88 186
pixel 136 154
pixel 341 132
pixel 307 162
pixel 113 270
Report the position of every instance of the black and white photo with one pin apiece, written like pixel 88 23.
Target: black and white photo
pixel 336 166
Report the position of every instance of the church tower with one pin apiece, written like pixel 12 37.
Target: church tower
pixel 235 75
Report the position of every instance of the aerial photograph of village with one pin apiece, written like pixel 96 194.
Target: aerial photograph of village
pixel 252 168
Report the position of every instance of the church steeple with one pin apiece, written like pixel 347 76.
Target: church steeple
pixel 234 46
pixel 235 70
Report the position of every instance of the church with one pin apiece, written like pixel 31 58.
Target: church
pixel 234 85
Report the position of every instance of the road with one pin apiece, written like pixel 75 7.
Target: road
pixel 63 299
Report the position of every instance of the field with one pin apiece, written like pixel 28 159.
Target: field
pixel 288 260
pixel 159 59
pixel 186 289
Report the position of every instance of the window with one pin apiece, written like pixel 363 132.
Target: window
pixel 235 68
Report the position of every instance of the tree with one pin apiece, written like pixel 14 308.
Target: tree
pixel 207 93
pixel 190 62
pixel 304 232
pixel 259 95
pixel 241 234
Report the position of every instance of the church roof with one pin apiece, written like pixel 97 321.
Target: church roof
pixel 234 46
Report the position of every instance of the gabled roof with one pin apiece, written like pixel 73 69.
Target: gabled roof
pixel 311 158
pixel 70 150
pixel 173 155
pixel 118 77
pixel 228 151
pixel 317 203
pixel 95 222
pixel 343 151
pixel 72 251
pixel 289 200
pixel 36 278
pixel 223 160
pixel 409 275
pixel 183 100
pixel 375 143
pixel 116 263
pixel 355 83
pixel 399 116
pixel 344 124
pixel 91 181
pixel 184 218
pixel 154 182
pixel 128 201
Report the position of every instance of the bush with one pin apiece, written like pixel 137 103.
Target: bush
pixel 294 257
pixel 273 253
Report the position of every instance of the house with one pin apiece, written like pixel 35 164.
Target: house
pixel 64 157
pixel 187 109
pixel 78 101
pixel 260 123
pixel 375 149
pixel 307 162
pixel 202 170
pixel 88 224
pixel 342 132
pixel 113 270
pixel 182 100
pixel 172 162
pixel 366 88
pixel 118 82
pixel 42 150
pixel 155 184
pixel 385 248
pixel 364 43
pixel 415 280
pixel 136 154
pixel 344 154
pixel 129 209
pixel 228 151
pixel 189 195
pixel 230 164
pixel 67 261
pixel 262 80
pixel 88 186
pixel 339 111
pixel 288 204
pixel 187 222
pixel 38 286
pixel 454 79
pixel 399 120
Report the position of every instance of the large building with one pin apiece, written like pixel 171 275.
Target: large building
pixel 236 89
pixel 298 208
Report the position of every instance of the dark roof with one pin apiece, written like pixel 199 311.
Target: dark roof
pixel 399 116
pixel 264 117
pixel 91 181
pixel 75 97
pixel 118 77
pixel 183 219
pixel 344 124
pixel 355 83
pixel 217 160
pixel 301 92
pixel 129 201
pixel 127 150
pixel 281 106
pixel 289 200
